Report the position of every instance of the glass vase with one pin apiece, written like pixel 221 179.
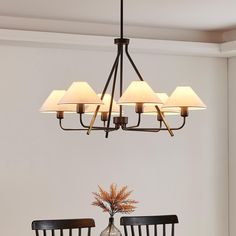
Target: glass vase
pixel 111 229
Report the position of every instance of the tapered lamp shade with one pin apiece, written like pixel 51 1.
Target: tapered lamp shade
pixel 139 92
pixel 51 103
pixel 80 93
pixel 151 110
pixel 90 109
pixel 185 97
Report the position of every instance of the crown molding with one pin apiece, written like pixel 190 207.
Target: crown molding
pixel 229 35
pixel 105 43
pixel 92 28
pixel 131 31
pixel 228 49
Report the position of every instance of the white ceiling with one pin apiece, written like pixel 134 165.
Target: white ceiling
pixel 185 14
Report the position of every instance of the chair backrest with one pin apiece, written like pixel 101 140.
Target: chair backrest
pixel 70 225
pixel 147 222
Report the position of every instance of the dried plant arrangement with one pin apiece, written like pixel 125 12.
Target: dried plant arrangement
pixel 115 201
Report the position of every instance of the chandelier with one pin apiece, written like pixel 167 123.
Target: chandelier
pixel 80 98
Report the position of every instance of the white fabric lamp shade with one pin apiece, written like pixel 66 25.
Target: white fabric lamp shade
pixel 51 103
pixel 80 93
pixel 151 110
pixel 185 97
pixel 139 92
pixel 90 109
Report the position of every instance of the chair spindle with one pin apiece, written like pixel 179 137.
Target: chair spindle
pixel 173 230
pixel 155 230
pixel 132 230
pixel 139 230
pixel 147 230
pixel 164 230
pixel 89 231
pixel 125 229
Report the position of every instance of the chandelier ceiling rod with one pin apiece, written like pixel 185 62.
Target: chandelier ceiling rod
pixel 121 19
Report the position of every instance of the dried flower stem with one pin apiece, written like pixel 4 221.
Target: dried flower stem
pixel 115 201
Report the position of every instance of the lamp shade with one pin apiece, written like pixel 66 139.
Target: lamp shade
pixel 139 92
pixel 151 110
pixel 80 93
pixel 51 103
pixel 184 97
pixel 105 107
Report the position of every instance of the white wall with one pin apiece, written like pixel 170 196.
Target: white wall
pixel 46 173
pixel 232 148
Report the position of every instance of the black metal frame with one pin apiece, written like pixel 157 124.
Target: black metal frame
pixel 121 121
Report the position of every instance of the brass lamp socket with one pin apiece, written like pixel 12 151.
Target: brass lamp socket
pixel 104 116
pixel 184 111
pixel 139 108
pixel 60 115
pixel 80 108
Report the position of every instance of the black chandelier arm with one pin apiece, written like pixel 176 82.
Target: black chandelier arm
pixel 103 93
pixel 178 128
pixel 134 126
pixel 81 121
pixel 112 97
pixel 69 129
pixel 132 63
pixel 85 129
pixel 94 127
pixel 183 124
pixel 154 130
pixel 140 77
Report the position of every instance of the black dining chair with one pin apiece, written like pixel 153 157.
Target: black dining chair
pixel 56 227
pixel 151 224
